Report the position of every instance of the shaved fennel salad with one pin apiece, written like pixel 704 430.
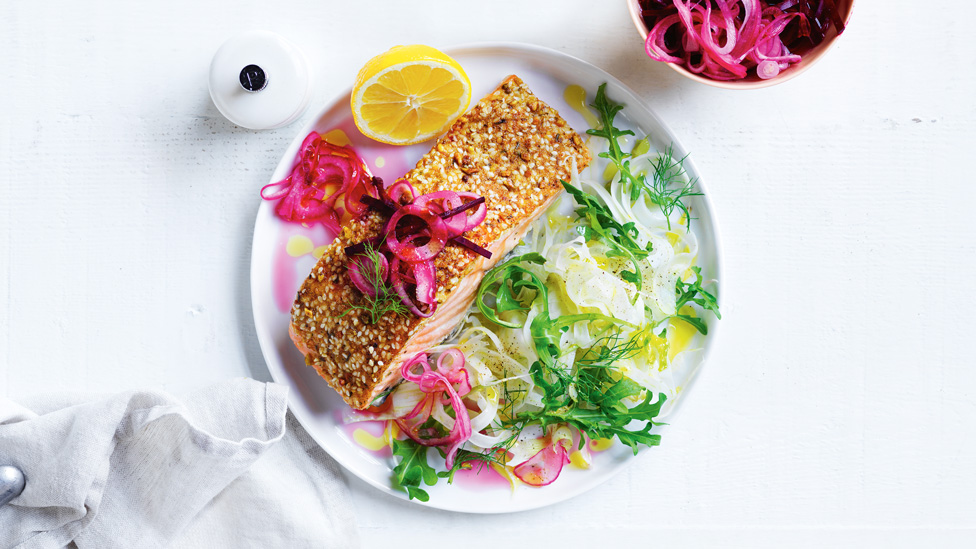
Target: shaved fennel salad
pixel 579 337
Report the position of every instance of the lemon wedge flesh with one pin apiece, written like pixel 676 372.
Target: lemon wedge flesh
pixel 409 94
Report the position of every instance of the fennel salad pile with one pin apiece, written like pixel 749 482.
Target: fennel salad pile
pixel 579 337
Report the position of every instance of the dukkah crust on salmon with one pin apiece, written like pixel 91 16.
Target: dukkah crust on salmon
pixel 510 148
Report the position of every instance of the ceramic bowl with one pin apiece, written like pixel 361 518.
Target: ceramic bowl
pixel 752 81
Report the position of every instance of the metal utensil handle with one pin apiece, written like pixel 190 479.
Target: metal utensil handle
pixel 12 483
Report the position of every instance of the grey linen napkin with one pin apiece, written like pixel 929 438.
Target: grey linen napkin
pixel 227 466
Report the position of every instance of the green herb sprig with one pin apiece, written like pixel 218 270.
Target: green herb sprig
pixel 412 469
pixel 667 187
pixel 692 292
pixel 384 300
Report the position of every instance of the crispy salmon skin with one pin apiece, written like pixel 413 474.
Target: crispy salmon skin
pixel 510 148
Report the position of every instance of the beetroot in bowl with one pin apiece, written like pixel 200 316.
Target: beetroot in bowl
pixel 739 44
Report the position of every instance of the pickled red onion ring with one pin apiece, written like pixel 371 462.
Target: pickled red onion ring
pixel 422 274
pixel 355 195
pixel 438 388
pixel 440 202
pixel 407 252
pixel 402 192
pixel 419 228
pixel 323 173
pixel 455 370
pixel 475 218
pixel 656 47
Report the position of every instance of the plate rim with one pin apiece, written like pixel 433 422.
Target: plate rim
pixel 475 48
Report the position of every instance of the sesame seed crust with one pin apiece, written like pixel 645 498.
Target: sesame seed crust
pixel 511 148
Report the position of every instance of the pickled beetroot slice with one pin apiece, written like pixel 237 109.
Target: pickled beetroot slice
pixel 465 243
pixel 449 205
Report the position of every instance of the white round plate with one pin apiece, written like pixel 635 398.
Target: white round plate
pixel 276 274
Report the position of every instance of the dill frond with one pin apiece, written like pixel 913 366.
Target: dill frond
pixel 669 185
pixel 385 299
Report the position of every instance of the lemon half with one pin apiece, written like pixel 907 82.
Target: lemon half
pixel 409 94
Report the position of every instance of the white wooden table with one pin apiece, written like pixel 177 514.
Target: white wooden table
pixel 838 407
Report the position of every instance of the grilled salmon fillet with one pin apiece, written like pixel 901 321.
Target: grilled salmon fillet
pixel 510 148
